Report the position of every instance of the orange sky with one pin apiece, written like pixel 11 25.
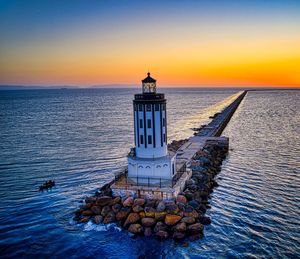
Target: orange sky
pixel 179 49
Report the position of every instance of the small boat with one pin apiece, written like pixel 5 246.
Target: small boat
pixel 47 185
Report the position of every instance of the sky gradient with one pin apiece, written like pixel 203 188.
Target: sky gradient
pixel 182 43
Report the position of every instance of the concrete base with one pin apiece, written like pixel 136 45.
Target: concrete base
pixel 153 168
pixel 125 188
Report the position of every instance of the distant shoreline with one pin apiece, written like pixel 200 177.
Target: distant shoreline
pixel 21 87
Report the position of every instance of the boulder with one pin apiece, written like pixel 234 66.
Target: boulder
pixel 180 213
pixel 205 220
pixel 172 208
pixel 162 234
pixel 180 227
pixel 84 220
pixel 128 202
pixel 160 226
pixel 181 206
pixel 139 202
pixel 196 228
pixel 123 213
pixel 202 208
pixel 116 200
pixel 98 219
pixel 194 237
pixel 88 206
pixel 135 229
pixel 215 184
pixel 109 218
pixel 96 210
pixel 115 208
pixel 181 199
pixel 142 214
pixel 91 199
pixel 204 194
pixel 171 220
pixel 161 206
pixel 148 222
pixel 193 214
pixel 148 232
pixel 150 203
pixel 79 212
pixel 160 215
pixel 188 220
pixel 189 195
pixel 190 182
pixel 132 218
pixel 194 204
pixel 137 208
pixel 87 213
pixel 103 200
pixel 178 235
pixel 105 210
pixel 149 212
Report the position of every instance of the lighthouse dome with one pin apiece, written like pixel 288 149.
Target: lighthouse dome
pixel 148 79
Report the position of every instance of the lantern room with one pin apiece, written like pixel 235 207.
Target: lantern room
pixel 149 84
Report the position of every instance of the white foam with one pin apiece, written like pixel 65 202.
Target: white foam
pixel 101 227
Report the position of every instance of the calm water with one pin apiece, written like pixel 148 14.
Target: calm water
pixel 80 137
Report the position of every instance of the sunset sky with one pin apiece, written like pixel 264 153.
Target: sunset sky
pixel 182 43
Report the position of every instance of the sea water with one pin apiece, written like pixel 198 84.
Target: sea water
pixel 80 137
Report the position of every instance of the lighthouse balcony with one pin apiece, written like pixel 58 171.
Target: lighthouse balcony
pixel 149 96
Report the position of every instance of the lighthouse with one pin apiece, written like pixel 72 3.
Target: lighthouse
pixel 149 161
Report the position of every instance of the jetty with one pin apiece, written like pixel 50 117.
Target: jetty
pixel 173 207
pixel 208 133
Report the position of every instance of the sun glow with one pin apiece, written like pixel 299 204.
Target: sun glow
pixel 205 48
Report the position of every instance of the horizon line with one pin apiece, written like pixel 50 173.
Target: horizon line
pixel 131 86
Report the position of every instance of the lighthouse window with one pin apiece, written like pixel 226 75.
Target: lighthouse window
pixel 149 124
pixel 142 139
pixel 164 137
pixel 163 107
pixel 141 123
pixel 164 122
pixel 135 107
pixel 148 107
pixel 140 107
pixel 150 140
pixel 156 107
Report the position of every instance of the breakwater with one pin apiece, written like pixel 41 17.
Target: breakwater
pixel 220 120
pixel 183 216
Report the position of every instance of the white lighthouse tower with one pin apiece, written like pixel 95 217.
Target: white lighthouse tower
pixel 150 161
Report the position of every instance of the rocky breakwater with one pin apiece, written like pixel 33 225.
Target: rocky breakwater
pixel 180 218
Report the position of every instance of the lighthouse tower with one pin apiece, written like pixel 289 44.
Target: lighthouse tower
pixel 150 161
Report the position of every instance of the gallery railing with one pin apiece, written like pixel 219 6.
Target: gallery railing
pixel 122 179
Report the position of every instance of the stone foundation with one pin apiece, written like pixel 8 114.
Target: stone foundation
pixel 179 216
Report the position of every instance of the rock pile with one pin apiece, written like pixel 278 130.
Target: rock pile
pixel 179 218
pixel 176 144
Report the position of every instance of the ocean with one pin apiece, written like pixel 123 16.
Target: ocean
pixel 80 137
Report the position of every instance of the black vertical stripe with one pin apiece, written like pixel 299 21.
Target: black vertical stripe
pixel 138 127
pixel 166 122
pixel 145 126
pixel 161 125
pixel 134 125
pixel 153 123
